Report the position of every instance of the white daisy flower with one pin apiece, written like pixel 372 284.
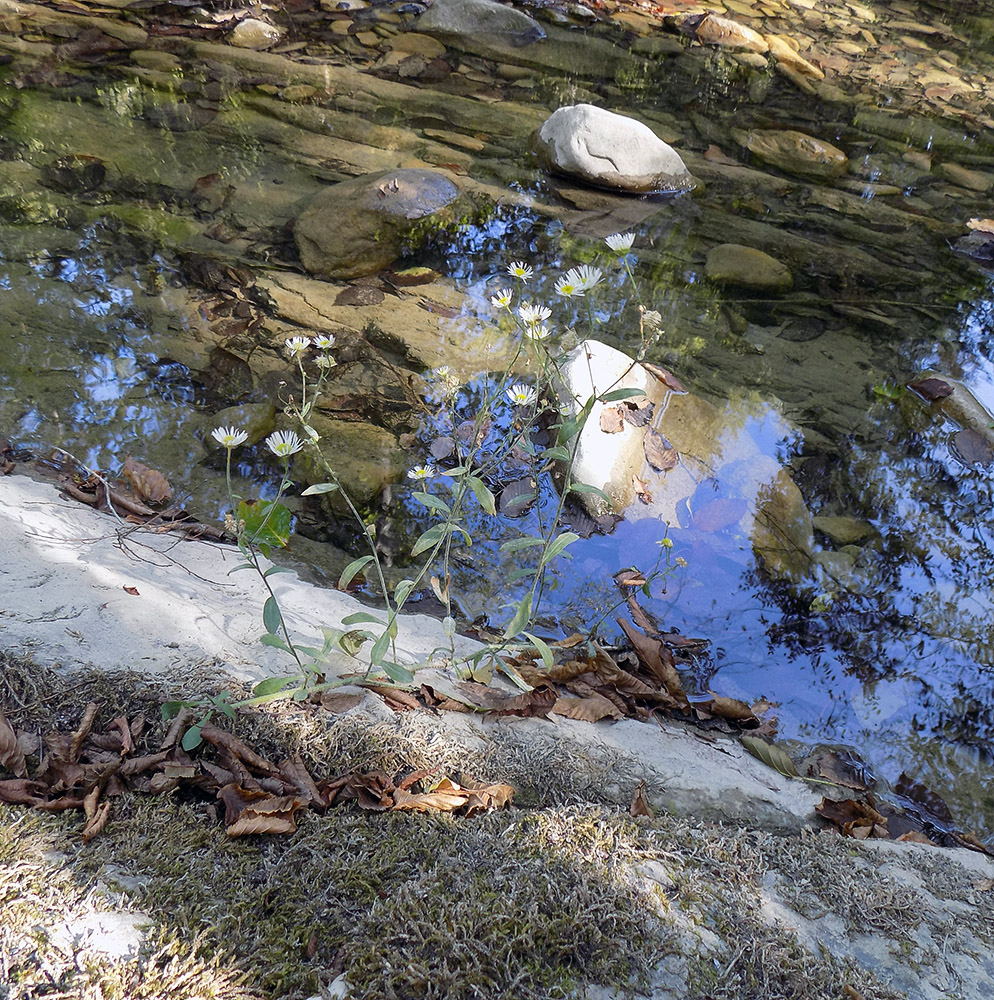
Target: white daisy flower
pixel 502 299
pixel 442 372
pixel 590 277
pixel 296 345
pixel 620 243
pixel 520 394
pixel 283 444
pixel 229 437
pixel 519 269
pixel 532 314
pixel 570 284
pixel 421 472
pixel 325 342
pixel 537 331
pixel 325 361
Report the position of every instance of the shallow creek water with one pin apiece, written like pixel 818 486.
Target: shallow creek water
pixel 132 297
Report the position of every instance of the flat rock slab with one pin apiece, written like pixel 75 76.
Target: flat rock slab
pixel 64 569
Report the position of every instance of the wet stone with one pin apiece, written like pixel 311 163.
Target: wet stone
pixel 611 151
pixel 360 226
pixel 480 19
pixel 74 174
pixel 255 34
pixel 747 267
pixel 794 152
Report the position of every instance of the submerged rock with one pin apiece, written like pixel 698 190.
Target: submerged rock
pixel 747 267
pixel 794 152
pixel 256 419
pixel 610 151
pixel 716 478
pixel 360 226
pixel 74 173
pixel 481 19
pixel 255 34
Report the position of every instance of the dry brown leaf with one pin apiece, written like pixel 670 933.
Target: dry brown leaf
pixel 445 797
pixel 852 816
pixel 715 155
pixel 339 702
pixel 932 388
pixel 484 797
pixel 11 755
pixel 612 420
pixel 530 704
pixel 76 743
pixel 667 378
pixel 21 791
pixel 640 804
pixel 659 453
pixel 984 884
pixel 641 489
pixel 591 708
pixel 133 591
pixel 629 578
pixel 219 738
pixel 916 837
pixel 151 486
pixel 96 822
pixel 831 766
pixel 656 659
pixel 981 225
pixel 731 708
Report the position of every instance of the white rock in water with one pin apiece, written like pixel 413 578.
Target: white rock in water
pixel 610 150
pixel 255 34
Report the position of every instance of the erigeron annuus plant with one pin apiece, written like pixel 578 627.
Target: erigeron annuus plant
pixel 509 413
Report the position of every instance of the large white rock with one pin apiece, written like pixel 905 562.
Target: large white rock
pixel 610 151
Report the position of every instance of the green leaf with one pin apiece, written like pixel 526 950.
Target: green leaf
pixel 557 546
pixel 570 428
pixel 397 673
pixel 432 502
pixel 351 643
pixel 587 488
pixel 521 617
pixel 771 755
pixel 192 738
pixel 482 494
pixel 362 616
pixel 615 394
pixel 240 566
pixel 277 569
pixel 430 538
pixel 457 470
pixel 170 709
pixel 265 548
pixel 319 488
pixel 519 574
pixel 543 649
pixel 525 542
pixel 353 568
pixel 271 615
pixel 557 453
pixel 271 685
pixel 402 591
pixel 266 522
pixel 379 650
pixel 271 639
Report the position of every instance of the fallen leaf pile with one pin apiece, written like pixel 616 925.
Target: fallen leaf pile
pixel 87 769
pixel 867 818
pixel 585 681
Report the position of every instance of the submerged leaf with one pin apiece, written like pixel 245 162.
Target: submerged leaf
pixel 150 485
pixel 659 453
